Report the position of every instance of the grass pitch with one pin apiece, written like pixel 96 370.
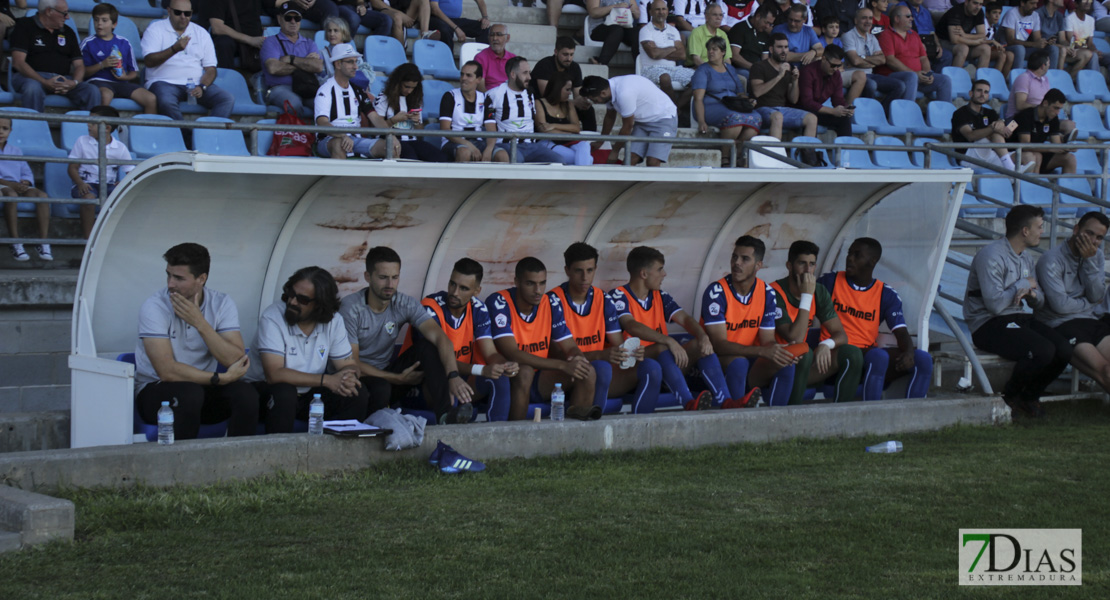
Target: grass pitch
pixel 803 519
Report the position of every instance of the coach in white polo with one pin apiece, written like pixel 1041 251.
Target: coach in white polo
pixel 186 332
pixel 176 51
pixel 298 337
pixel 645 112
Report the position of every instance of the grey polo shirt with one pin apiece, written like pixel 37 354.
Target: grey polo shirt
pixel 998 275
pixel 157 320
pixel 1073 288
pixel 305 353
pixel 376 333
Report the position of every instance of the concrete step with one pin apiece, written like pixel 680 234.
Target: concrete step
pixel 67 257
pixel 38 519
pixel 34 398
pixel 500 11
pixel 29 431
pixel 37 287
pixel 10 541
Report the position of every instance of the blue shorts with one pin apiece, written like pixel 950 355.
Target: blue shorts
pixel 362 146
pixel 73 193
pixel 791 117
pixel 120 89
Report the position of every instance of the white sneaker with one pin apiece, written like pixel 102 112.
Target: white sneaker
pixel 19 253
pixel 1026 167
pixel 44 252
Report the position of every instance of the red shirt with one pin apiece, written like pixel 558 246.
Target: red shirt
pixel 814 87
pixel 909 51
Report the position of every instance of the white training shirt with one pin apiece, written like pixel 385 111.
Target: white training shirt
pixel 638 97
pixel 662 39
pixel 304 353
pixel 86 147
pixel 190 63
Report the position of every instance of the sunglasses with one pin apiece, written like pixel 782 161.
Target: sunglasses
pixel 182 13
pixel 65 15
pixel 300 298
pixel 292 17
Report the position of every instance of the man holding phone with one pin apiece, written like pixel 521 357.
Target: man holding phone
pixel 979 123
pixel 821 81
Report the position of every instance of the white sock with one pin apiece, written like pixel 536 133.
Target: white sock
pixel 1007 162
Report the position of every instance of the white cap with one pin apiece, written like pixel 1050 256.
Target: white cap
pixel 341 51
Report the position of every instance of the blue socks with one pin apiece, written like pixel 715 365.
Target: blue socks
pixel 674 377
pixel 714 378
pixel 649 376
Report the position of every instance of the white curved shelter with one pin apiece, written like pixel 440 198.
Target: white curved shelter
pixel 262 218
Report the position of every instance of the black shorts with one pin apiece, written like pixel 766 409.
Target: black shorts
pixel 401 5
pixel 120 89
pixel 1084 331
pixel 1046 157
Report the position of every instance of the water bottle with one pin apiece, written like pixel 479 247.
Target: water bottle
pixel 117 71
pixel 165 424
pixel 316 416
pixel 845 160
pixel 886 447
pixel 558 403
pixel 189 87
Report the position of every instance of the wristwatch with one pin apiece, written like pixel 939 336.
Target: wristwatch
pixel 203 88
pixel 452 374
pixel 215 379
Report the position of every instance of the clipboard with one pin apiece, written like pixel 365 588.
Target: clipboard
pixel 353 428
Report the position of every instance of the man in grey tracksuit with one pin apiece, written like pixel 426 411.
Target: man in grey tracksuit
pixel 1074 282
pixel 1001 279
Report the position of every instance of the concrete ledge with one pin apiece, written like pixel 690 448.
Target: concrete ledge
pixel 200 462
pixel 36 518
pixel 24 432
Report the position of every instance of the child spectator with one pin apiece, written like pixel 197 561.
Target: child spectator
pixel 16 180
pixel 1002 60
pixel 110 61
pixel 86 178
pixel 830 32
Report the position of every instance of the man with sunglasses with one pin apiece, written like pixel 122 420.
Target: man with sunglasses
pixel 821 81
pixel 283 54
pixel 46 59
pixel 176 52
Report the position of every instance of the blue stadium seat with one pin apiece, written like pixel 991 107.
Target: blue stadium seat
pixel 1061 80
pixel 1093 83
pixel 434 58
pixel 1087 161
pixel 796 153
pixel 32 137
pixel 1089 122
pixel 226 142
pixel 1014 73
pixel 1036 195
pixel 320 40
pixel 57 184
pixel 998 189
pixel 272 30
pixel 139 8
pixel 433 94
pixel 907 114
pixel 125 28
pixel 974 207
pixel 940 115
pixel 265 138
pixel 936 159
pixel 961 81
pixel 857 159
pixel 897 158
pixel 378 85
pixel 999 88
pixel 869 116
pixel 384 53
pixel 1079 185
pixel 152 141
pixel 232 81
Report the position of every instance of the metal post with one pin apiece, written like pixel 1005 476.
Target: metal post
pixel 512 150
pixel 102 161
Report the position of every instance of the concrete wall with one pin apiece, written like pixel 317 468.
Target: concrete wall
pixel 34 347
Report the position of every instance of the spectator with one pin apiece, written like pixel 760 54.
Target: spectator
pixel 513 108
pixel 448 20
pixel 843 10
pixel 713 81
pixel 977 122
pixel 98 52
pixel 1022 29
pixel 236 29
pixel 1101 16
pixel 555 8
pixel 696 53
pixel 1053 24
pixel 645 112
pixel 780 10
pixel 556 115
pixel 563 62
pixel 187 332
pixel 774 85
pixel 283 55
pixel 693 13
pixel 963 31
pixel 1000 58
pixel 923 25
pixel 830 33
pixel 464 109
pixel 374 317
pixel 355 13
pixel 313 10
pixel 46 59
pixel 86 178
pixel 864 54
pixel 338 104
pixel 878 11
pixel 804 45
pixel 178 53
pixel 822 81
pixel 751 39
pixel 17 181
pixel 405 14
pixel 662 52
pixel 335 33
pixel 400 106
pixel 1079 41
pixel 905 52
pixel 611 36
pixel 937 8
pixel 7 20
pixel 1030 86
pixel 495 59
pixel 1041 125
pixel 307 316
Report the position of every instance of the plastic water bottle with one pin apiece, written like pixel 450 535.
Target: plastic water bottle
pixel 846 161
pixel 189 87
pixel 165 424
pixel 316 416
pixel 558 403
pixel 117 71
pixel 886 447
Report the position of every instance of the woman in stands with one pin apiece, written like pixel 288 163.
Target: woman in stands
pixel 611 36
pixel 337 32
pixel 400 106
pixel 557 115
pixel 712 81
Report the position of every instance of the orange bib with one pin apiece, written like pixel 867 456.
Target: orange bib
pixel 534 337
pixel 653 318
pixel 588 330
pixel 743 320
pixel 858 312
pixel 791 310
pixel 462 338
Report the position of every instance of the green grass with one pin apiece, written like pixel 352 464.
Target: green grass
pixel 804 519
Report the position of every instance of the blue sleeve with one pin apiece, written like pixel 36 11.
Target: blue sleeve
pixel 431 314
pixel 738 87
pixel 129 62
pixel 780 29
pixel 670 307
pixel 502 322
pixel 890 306
pixel 559 330
pixel 620 302
pixel 87 55
pixel 612 319
pixel 770 310
pixel 700 79
pixel 811 38
pixel 481 319
pixel 828 280
pixel 714 304
pixel 837 42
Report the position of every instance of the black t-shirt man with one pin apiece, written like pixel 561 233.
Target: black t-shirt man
pixel 957 15
pixel 546 69
pixel 966 116
pixel 249 13
pixel 752 43
pixel 1039 131
pixel 47 51
pixel 776 96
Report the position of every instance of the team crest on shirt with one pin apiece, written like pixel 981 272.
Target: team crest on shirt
pixel 501 320
pixel 61 40
pixel 1046 128
pixel 714 309
pixel 390 327
pixel 322 350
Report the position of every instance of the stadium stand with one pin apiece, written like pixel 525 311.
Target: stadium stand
pixel 151 141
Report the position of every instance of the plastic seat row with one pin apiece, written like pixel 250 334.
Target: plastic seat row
pixel 1002 190
pixel 898 157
